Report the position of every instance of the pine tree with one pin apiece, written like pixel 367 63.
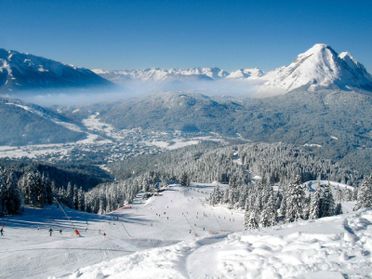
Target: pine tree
pixel 268 215
pixel 338 209
pixel 81 199
pixel 68 200
pixel 315 204
pixel 283 208
pixel 185 179
pixel 327 207
pixel 251 219
pixel 3 191
pixel 364 199
pixel 295 201
pixel 13 198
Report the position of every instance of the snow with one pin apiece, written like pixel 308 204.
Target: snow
pixel 139 228
pixel 65 124
pixel 33 151
pixel 333 247
pixel 313 145
pixel 320 67
pixel 157 74
pixel 93 123
pixel 256 177
pixel 26 108
pixel 178 235
pixel 317 68
pixel 311 184
pixel 245 73
pixel 176 143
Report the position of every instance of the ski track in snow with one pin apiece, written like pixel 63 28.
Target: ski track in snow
pixel 139 228
pixel 334 247
pixel 178 235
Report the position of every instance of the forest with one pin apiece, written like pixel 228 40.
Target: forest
pixel 265 180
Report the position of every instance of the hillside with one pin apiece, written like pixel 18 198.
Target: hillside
pixel 23 123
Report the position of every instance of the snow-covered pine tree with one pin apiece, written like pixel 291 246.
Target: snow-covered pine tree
pixel 283 207
pixel 295 200
pixel 251 219
pixel 81 199
pixel 268 215
pixel 185 179
pixel 315 203
pixel 327 207
pixel 364 199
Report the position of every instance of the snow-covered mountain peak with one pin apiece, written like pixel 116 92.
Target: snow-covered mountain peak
pixel 158 74
pixel 246 73
pixel 22 71
pixel 321 67
pixel 347 56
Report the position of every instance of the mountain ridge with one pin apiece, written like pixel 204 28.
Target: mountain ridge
pixel 22 71
pixel 320 67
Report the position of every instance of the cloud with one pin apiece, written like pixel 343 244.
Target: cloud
pixel 136 88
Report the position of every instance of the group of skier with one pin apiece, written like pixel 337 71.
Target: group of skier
pixel 76 232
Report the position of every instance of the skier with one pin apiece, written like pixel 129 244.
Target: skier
pixel 77 232
pixel 2 231
pixel 50 231
pixel 60 231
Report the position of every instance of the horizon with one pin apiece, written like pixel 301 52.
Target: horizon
pixel 193 67
pixel 113 35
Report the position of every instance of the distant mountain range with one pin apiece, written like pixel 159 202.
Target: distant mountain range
pixel 20 71
pixel 320 67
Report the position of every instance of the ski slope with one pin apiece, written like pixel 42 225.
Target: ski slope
pixel 178 235
pixel 333 247
pixel 178 214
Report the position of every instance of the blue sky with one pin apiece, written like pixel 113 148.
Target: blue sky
pixel 230 34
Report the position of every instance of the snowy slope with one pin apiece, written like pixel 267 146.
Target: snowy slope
pixel 154 223
pixel 178 235
pixel 321 67
pixel 24 123
pixel 312 184
pixel 44 113
pixel 333 247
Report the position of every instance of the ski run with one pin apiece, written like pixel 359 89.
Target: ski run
pixel 179 235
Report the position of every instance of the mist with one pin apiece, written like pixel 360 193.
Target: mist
pixel 136 88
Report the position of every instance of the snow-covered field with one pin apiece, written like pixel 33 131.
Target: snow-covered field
pixel 178 235
pixel 333 247
pixel 176 215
